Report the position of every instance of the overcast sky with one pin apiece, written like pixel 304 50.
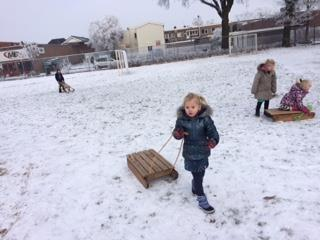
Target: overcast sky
pixel 42 20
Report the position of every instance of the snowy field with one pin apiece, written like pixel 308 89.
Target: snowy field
pixel 63 165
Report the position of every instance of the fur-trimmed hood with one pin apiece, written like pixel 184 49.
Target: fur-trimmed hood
pixel 260 67
pixel 206 111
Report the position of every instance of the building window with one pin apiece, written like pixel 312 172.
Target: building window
pixel 135 35
pixel 149 48
pixel 41 50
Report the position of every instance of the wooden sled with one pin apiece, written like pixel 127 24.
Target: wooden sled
pixel 66 88
pixel 286 116
pixel 150 165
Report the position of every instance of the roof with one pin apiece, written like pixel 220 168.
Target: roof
pixel 75 39
pixel 160 24
pixel 255 31
pixel 57 41
pixel 9 44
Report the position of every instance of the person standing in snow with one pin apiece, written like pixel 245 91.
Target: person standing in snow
pixel 293 100
pixel 60 79
pixel 264 85
pixel 195 126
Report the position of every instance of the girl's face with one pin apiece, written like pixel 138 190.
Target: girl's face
pixel 306 86
pixel 269 67
pixel 192 107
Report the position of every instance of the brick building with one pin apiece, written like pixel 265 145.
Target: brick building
pixel 189 35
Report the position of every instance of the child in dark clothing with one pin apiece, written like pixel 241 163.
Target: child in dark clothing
pixel 60 79
pixel 63 87
pixel 195 125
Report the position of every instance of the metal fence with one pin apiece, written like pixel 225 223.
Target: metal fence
pixel 143 56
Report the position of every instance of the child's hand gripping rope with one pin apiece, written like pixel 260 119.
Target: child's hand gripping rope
pixel 212 143
pixel 179 134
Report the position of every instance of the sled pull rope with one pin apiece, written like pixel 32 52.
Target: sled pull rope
pixel 181 144
pixel 180 148
pixel 165 144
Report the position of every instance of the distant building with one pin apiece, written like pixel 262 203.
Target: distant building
pixel 145 37
pixel 15 60
pixel 270 30
pixel 190 34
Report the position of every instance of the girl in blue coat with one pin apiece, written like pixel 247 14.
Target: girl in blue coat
pixel 195 125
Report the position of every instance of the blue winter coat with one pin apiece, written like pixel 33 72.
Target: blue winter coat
pixel 200 130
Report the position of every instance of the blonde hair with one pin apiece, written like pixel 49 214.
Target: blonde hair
pixel 305 84
pixel 270 61
pixel 200 99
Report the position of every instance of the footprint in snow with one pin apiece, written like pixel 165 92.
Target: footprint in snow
pixel 3 171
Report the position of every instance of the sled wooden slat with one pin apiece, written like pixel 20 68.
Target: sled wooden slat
pixel 153 158
pixel 153 163
pixel 160 158
pixel 138 174
pixel 144 163
pixel 142 172
pixel 285 116
pixel 149 165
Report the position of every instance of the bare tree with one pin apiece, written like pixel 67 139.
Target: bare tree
pixel 222 7
pixel 32 49
pixel 296 13
pixel 105 34
pixel 289 18
pixel 307 7
pixel 198 22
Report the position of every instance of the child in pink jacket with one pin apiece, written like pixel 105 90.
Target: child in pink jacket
pixel 293 100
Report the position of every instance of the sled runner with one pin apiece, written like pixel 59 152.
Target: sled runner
pixel 149 165
pixel 286 116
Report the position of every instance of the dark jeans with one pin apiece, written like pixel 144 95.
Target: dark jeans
pixel 197 181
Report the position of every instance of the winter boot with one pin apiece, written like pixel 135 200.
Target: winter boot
pixel 204 205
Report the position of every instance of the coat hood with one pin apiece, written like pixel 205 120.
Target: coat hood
pixel 260 67
pixel 205 112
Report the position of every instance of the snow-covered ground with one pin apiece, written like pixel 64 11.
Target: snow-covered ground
pixel 63 156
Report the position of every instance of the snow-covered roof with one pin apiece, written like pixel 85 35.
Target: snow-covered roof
pixel 75 39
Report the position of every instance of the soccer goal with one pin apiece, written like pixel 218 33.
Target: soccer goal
pixel 122 61
pixel 242 43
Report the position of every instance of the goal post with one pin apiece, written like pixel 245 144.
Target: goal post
pixel 122 61
pixel 243 43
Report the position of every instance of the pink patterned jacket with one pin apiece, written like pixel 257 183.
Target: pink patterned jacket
pixel 294 98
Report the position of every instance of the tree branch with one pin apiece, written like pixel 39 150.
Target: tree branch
pixel 229 4
pixel 214 5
